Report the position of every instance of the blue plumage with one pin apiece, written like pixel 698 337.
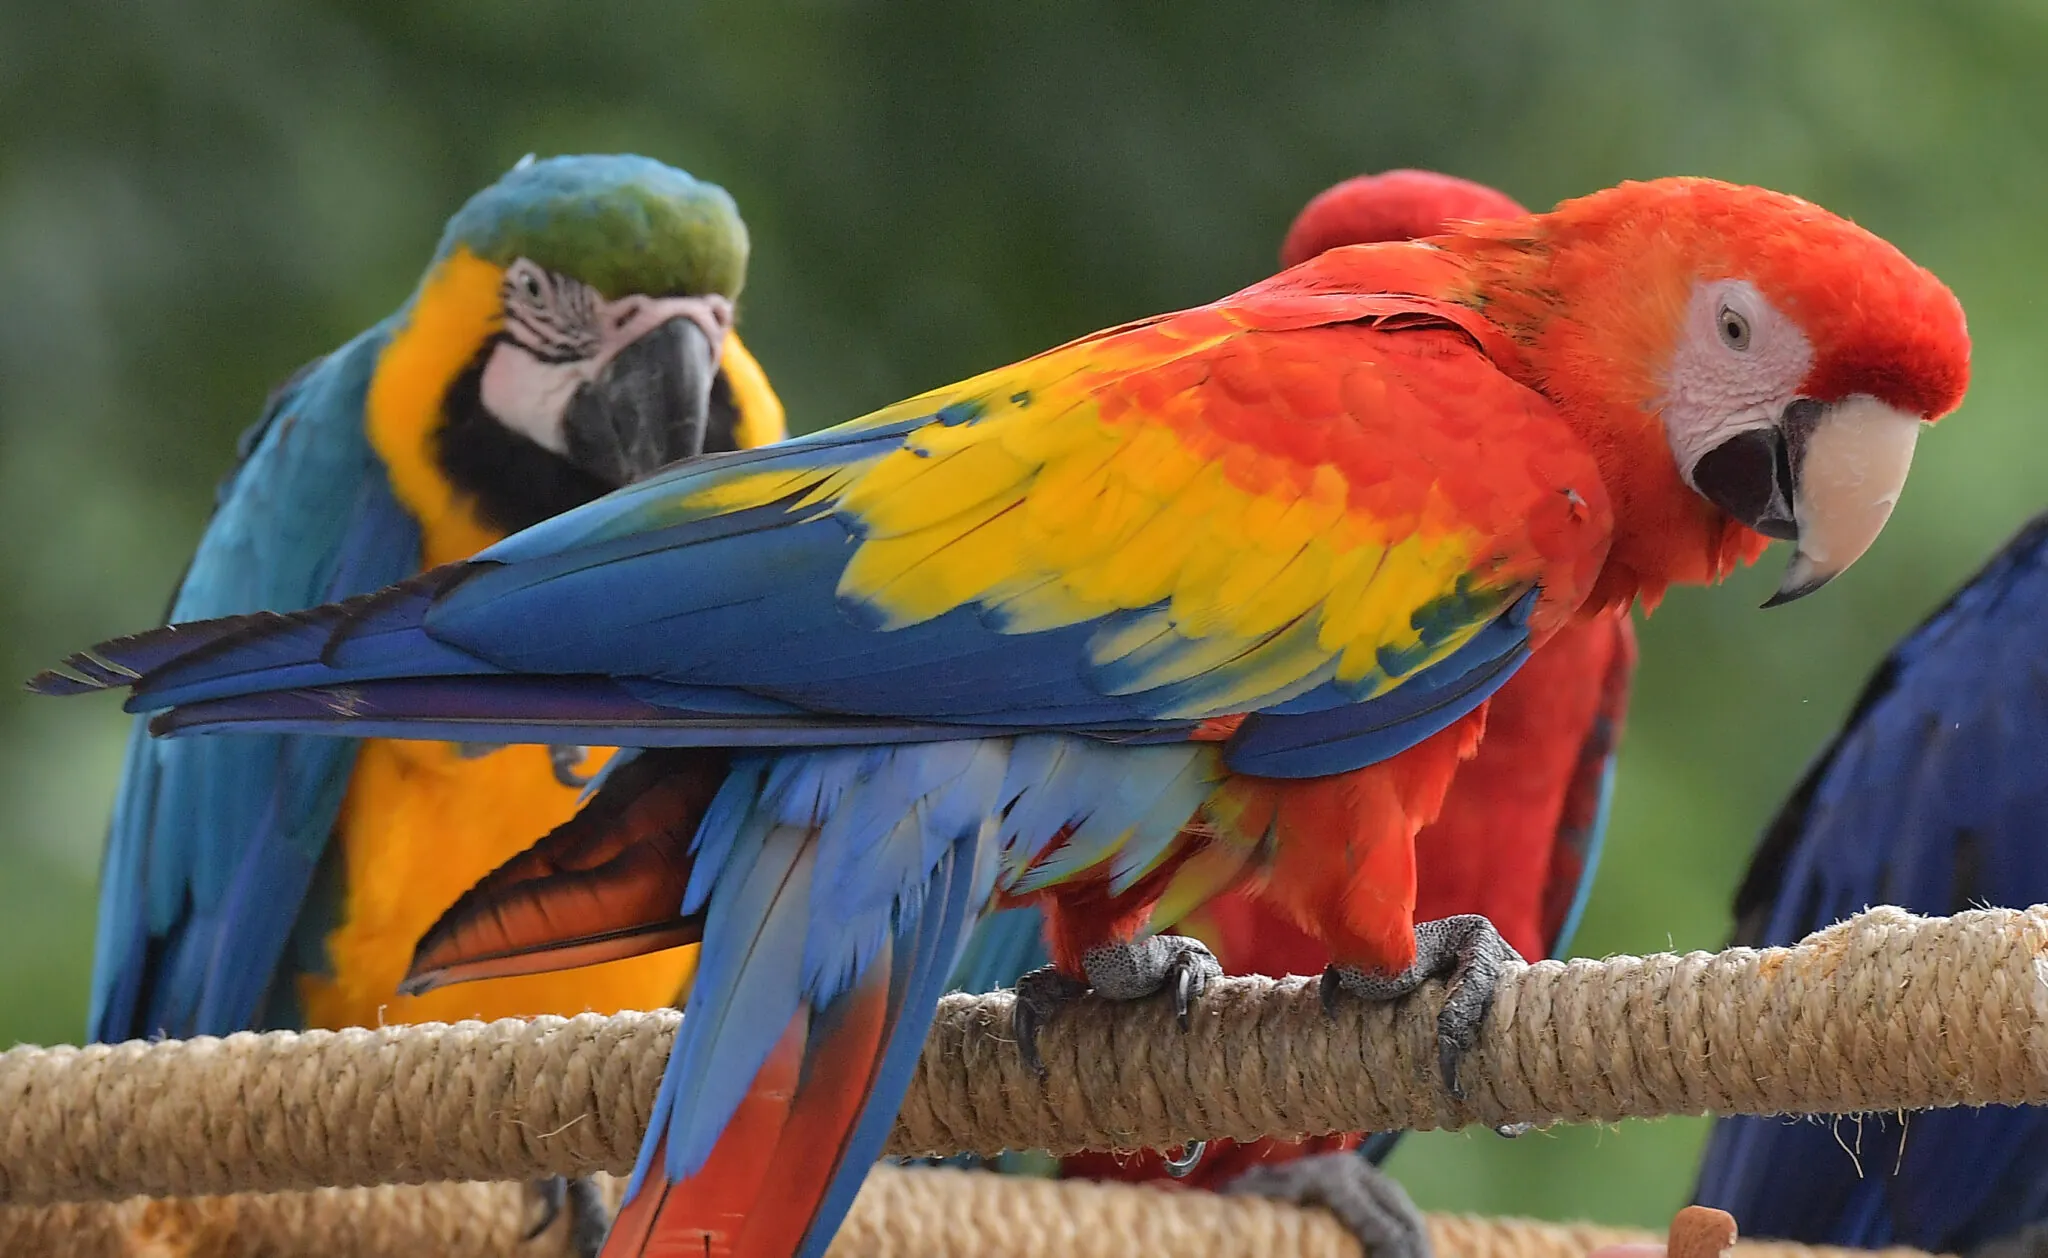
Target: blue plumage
pixel 819 871
pixel 641 601
pixel 213 843
pixel 1005 945
pixel 1931 798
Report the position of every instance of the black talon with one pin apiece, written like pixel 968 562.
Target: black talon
pixel 563 760
pixel 553 1192
pixel 1039 994
pixel 1331 989
pixel 1188 985
pixel 1190 1157
pixel 583 1201
pixel 1464 951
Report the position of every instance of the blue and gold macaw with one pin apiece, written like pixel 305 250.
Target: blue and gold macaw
pixel 1931 798
pixel 572 332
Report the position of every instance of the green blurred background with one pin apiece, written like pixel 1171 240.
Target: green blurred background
pixel 195 199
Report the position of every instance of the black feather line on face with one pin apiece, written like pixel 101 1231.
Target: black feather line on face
pixel 514 482
pixel 722 422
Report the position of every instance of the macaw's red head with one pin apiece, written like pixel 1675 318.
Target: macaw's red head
pixel 1392 205
pixel 1780 359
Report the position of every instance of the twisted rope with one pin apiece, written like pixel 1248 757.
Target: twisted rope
pixel 899 1214
pixel 1883 1012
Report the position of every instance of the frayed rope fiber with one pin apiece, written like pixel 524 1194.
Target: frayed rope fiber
pixel 1886 1011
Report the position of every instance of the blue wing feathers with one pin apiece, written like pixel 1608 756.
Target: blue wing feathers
pixel 813 869
pixel 1300 740
pixel 643 587
pixel 952 902
pixel 1930 798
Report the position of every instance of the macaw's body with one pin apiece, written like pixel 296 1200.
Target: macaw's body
pixel 571 332
pixel 1210 600
pixel 1519 833
pixel 1930 798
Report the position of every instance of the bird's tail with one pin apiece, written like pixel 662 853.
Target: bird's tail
pixel 605 885
pixel 838 890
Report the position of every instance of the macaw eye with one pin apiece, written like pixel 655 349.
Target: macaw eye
pixel 1734 329
pixel 529 283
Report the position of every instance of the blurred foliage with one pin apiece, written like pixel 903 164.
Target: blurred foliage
pixel 196 198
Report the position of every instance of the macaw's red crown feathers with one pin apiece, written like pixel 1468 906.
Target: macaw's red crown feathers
pixel 1879 324
pixel 1392 205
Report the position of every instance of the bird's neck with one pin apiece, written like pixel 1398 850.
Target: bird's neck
pixel 433 344
pixel 1602 376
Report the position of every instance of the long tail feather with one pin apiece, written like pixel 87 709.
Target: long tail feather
pixel 603 886
pixel 840 897
pixel 596 711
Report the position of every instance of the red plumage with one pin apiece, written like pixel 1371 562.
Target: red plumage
pixel 1492 846
pixel 1392 205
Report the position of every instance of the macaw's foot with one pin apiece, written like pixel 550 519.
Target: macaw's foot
pixel 1129 971
pixel 561 759
pixel 1469 955
pixel 1365 1199
pixel 583 1200
pixel 564 761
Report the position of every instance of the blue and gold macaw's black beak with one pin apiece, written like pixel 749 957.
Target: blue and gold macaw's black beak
pixel 649 400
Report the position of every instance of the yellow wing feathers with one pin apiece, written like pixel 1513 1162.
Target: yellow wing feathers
pixel 1122 477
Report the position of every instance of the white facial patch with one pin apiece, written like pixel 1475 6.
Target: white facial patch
pixel 1738 364
pixel 530 396
pixel 560 333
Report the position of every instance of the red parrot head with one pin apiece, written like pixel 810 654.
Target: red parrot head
pixel 1789 356
pixel 1392 205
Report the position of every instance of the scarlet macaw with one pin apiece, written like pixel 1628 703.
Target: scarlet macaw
pixel 1930 798
pixel 1517 839
pixel 572 332
pixel 1212 599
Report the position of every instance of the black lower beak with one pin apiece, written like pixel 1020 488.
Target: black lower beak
pixel 1755 476
pixel 1750 477
pixel 647 408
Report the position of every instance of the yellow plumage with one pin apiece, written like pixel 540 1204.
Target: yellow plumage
pixel 421 824
pixel 1043 507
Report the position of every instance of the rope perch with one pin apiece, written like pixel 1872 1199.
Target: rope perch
pixel 899 1214
pixel 1883 1012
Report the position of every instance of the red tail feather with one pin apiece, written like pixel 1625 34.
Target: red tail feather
pixel 605 885
pixel 757 1194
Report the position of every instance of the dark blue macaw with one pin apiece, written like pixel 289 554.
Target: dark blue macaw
pixel 1934 797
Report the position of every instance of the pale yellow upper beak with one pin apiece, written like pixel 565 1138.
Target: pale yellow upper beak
pixel 1851 469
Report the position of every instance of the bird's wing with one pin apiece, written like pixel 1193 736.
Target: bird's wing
pixel 1276 505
